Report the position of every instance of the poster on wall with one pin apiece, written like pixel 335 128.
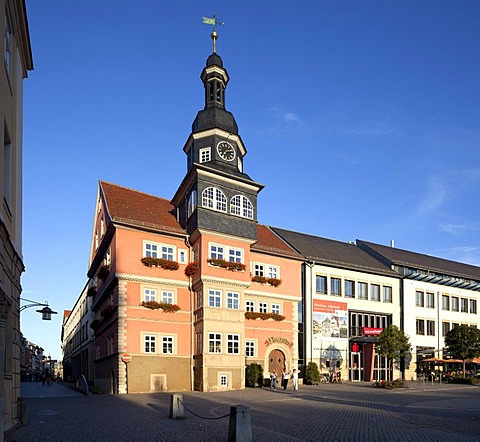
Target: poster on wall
pixel 330 320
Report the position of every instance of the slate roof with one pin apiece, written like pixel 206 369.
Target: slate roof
pixel 334 253
pixel 424 262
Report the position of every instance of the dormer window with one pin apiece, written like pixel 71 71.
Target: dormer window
pixel 205 155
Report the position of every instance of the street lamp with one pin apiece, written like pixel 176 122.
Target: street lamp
pixel 46 311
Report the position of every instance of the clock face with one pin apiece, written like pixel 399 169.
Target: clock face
pixel 226 151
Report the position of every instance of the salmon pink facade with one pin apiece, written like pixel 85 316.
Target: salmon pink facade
pixel 186 331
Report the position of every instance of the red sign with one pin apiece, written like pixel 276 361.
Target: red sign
pixel 319 305
pixel 355 347
pixel 126 357
pixel 372 331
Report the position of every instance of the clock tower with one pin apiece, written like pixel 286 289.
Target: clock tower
pixel 216 195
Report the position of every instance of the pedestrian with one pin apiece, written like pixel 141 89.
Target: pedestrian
pixel 295 379
pixel 43 379
pixel 273 381
pixel 285 377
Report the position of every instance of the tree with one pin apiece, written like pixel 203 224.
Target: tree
pixel 312 375
pixel 394 344
pixel 463 342
pixel 254 377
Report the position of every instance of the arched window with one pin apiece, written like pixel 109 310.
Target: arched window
pixel 241 206
pixel 192 203
pixel 214 198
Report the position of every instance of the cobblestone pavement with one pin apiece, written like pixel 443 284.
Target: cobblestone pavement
pixel 330 412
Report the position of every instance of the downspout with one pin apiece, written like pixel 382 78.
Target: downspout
pixel 402 324
pixel 189 247
pixel 308 283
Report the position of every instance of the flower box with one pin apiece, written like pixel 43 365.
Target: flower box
pixel 275 282
pixel 259 279
pixel 232 266
pixel 264 316
pixel 165 306
pixel 191 268
pixel 165 264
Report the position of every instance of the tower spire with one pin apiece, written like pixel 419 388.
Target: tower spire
pixel 213 22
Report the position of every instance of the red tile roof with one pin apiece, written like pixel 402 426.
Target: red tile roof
pixel 141 209
pixel 270 242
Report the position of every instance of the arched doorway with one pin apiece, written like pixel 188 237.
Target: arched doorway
pixel 276 362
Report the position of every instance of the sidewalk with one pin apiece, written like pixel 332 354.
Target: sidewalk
pixel 37 390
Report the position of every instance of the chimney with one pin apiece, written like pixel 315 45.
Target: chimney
pixel 392 243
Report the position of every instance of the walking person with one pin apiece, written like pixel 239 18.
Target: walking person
pixel 295 379
pixel 273 381
pixel 285 377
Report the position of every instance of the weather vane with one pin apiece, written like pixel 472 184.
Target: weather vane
pixel 213 22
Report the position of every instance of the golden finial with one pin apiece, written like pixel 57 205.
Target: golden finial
pixel 213 22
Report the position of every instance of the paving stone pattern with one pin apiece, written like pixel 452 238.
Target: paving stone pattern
pixel 327 412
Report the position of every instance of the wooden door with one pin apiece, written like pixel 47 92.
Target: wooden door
pixel 276 362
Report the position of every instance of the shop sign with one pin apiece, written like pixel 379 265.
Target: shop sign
pixel 372 331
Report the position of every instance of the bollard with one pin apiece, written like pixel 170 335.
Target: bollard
pixel 240 425
pixel 176 407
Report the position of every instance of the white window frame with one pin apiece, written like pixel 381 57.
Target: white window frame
pixel 235 255
pixel 275 308
pixel 159 250
pixel 215 199
pixel 273 271
pixel 150 249
pixel 250 349
pixel 240 205
pixel 233 300
pixel 168 296
pixel 249 306
pixel 258 269
pixel 149 294
pixel 223 380
pixel 216 251
pixel 233 344
pixel 214 298
pixel 263 307
pixel 168 344
pixel 149 342
pixel 205 155
pixel 182 256
pixel 214 342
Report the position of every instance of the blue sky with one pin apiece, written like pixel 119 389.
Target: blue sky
pixel 360 117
